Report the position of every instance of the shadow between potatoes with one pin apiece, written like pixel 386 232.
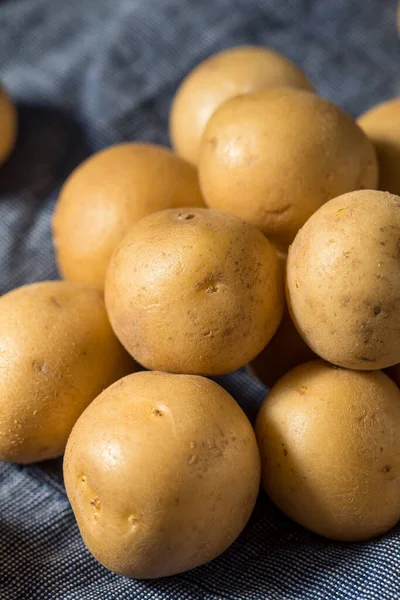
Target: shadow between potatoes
pixel 50 144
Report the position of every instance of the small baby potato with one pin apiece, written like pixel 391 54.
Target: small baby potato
pixel 8 126
pixel 286 350
pixel 194 291
pixel 330 450
pixel 221 76
pixel 106 195
pixel 343 280
pixel 382 126
pixel 162 472
pixel 274 157
pixel 57 353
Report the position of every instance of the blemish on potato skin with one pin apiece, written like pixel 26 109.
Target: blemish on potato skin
pixel 55 301
pixel 285 452
pixel 387 468
pixel 191 459
pixel 156 412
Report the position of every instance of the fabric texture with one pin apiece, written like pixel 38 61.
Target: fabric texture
pixel 89 73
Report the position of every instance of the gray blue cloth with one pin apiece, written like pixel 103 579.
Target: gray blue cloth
pixel 89 73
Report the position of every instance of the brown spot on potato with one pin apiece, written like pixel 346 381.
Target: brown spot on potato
pixel 55 301
pixel 387 468
pixel 37 365
pixel 157 412
pixel 132 520
pixel 285 452
pixel 377 310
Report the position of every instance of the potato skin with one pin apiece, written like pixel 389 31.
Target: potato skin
pixel 286 350
pixel 330 450
pixel 162 472
pixel 343 280
pixel 58 352
pixel 382 125
pixel 222 76
pixel 109 192
pixel 8 126
pixel 274 157
pixel 194 291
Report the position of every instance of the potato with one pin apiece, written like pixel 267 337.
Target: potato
pixel 57 353
pixel 109 192
pixel 162 472
pixel 194 291
pixel 286 350
pixel 343 280
pixel 8 126
pixel 382 126
pixel 330 450
pixel 274 157
pixel 234 71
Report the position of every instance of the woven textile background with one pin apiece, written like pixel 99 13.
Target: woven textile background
pixel 88 73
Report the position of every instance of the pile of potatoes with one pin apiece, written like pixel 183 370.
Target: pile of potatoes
pixel 179 262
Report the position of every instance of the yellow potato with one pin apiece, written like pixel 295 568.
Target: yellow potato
pixel 234 71
pixel 330 450
pixel 382 126
pixel 106 195
pixel 194 291
pixel 274 157
pixel 8 126
pixel 57 353
pixel 286 350
pixel 162 472
pixel 343 280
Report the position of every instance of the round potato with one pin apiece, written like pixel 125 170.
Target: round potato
pixel 330 450
pixel 343 280
pixel 109 192
pixel 286 350
pixel 57 353
pixel 235 71
pixel 162 472
pixel 274 157
pixel 8 126
pixel 194 291
pixel 382 126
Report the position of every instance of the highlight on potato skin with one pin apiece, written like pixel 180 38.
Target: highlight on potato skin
pixel 194 291
pixel 105 195
pixel 58 352
pixel 330 450
pixel 234 71
pixel 162 472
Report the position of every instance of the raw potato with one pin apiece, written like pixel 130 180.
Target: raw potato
pixel 8 126
pixel 57 353
pixel 194 291
pixel 382 126
pixel 286 350
pixel 330 450
pixel 274 157
pixel 106 195
pixel 162 472
pixel 235 71
pixel 343 280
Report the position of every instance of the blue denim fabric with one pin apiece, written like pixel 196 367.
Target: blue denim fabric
pixel 88 73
